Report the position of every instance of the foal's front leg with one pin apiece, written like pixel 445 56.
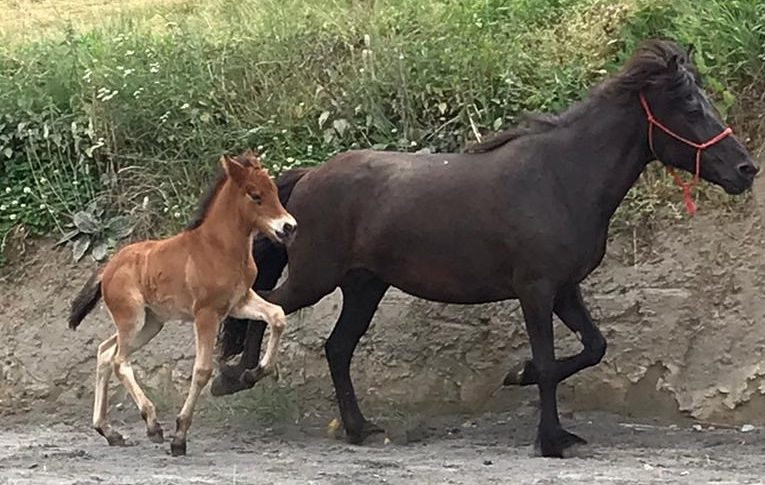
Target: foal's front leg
pixel 254 307
pixel 206 323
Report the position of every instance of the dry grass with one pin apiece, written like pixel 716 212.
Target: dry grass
pixel 29 19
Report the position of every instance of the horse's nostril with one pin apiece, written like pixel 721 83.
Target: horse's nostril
pixel 748 169
pixel 288 228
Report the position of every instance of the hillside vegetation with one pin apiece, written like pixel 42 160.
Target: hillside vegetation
pixel 115 118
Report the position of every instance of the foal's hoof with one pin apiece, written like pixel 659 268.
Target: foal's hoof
pixel 367 429
pixel 525 375
pixel 558 444
pixel 223 385
pixel 251 376
pixel 178 447
pixel 155 434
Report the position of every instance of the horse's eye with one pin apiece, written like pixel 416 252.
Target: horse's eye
pixel 690 98
pixel 256 198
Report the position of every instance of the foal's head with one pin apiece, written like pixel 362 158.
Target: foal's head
pixel 685 129
pixel 259 203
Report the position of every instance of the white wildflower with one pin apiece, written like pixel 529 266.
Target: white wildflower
pixel 7 190
pixel 12 217
pixel 27 190
pixel 3 207
pixel 129 53
pixel 177 215
pixel 42 206
pixel 185 106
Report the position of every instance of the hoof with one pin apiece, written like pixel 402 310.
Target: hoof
pixel 230 371
pixel 559 444
pixel 367 429
pixel 251 376
pixel 223 385
pixel 178 447
pixel 155 434
pixel 526 375
pixel 114 438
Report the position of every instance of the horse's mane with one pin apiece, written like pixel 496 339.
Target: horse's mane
pixel 247 159
pixel 654 63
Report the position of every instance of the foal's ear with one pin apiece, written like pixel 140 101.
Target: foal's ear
pixel 234 170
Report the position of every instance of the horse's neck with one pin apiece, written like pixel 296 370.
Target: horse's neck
pixel 225 227
pixel 611 143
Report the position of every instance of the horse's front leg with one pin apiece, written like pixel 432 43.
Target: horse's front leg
pixel 254 307
pixel 537 299
pixel 570 308
pixel 229 380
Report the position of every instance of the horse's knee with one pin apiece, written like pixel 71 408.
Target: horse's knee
pixel 203 374
pixel 277 319
pixel 597 349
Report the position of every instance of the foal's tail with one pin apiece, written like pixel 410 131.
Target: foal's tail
pixel 85 300
pixel 271 259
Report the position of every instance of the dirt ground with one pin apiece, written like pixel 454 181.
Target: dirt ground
pixel 494 448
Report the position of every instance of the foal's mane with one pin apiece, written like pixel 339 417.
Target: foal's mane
pixel 248 159
pixel 654 63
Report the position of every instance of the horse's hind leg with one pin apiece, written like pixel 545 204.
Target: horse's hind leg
pixel 106 353
pixel 206 328
pixel 570 308
pixel 128 340
pixel 361 296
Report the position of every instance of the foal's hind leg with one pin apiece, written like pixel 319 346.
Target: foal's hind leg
pixel 361 295
pixel 106 353
pixel 570 308
pixel 129 341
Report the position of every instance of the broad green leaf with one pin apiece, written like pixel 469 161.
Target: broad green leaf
pixel 86 222
pixel 80 247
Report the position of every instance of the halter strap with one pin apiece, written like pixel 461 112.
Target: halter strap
pixel 687 187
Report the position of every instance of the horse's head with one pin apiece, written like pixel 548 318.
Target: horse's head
pixel 685 130
pixel 259 202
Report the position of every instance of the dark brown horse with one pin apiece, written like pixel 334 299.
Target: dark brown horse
pixel 524 216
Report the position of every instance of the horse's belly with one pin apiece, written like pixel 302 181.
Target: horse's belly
pixel 450 283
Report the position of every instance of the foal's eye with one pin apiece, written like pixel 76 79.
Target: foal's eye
pixel 256 198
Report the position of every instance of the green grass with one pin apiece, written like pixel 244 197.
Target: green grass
pixel 133 111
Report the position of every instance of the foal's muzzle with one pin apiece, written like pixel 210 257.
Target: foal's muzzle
pixel 285 229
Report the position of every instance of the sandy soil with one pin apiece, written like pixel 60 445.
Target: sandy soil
pixel 455 450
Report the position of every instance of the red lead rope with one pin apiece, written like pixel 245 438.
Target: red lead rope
pixel 687 187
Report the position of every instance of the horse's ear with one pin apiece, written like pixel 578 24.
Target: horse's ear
pixel 253 158
pixel 673 63
pixel 234 170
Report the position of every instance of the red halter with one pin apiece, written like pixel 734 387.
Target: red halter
pixel 687 187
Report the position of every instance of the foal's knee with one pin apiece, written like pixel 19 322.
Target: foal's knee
pixel 203 374
pixel 277 319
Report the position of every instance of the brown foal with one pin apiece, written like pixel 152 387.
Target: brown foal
pixel 202 274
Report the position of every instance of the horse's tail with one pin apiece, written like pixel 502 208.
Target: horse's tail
pixel 85 300
pixel 271 259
